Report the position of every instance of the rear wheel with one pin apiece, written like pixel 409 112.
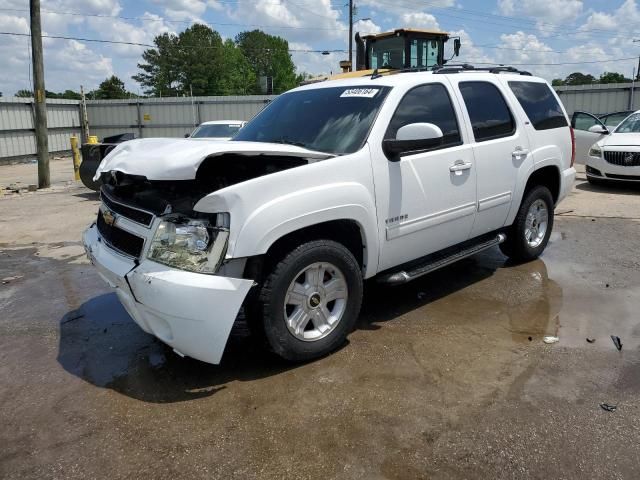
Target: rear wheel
pixel 528 236
pixel 310 300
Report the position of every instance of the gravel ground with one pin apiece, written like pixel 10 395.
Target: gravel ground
pixel 446 377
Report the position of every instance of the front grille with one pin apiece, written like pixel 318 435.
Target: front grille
pixel 138 216
pixel 623 159
pixel 119 239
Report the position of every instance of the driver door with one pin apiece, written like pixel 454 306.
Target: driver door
pixel 431 200
pixel 581 123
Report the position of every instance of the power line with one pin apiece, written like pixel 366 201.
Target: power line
pixel 136 44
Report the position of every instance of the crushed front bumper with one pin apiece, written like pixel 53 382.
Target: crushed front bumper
pixel 191 312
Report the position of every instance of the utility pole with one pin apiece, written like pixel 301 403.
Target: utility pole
pixel 350 35
pixel 39 96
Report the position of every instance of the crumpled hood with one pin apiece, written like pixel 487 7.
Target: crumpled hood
pixel 621 140
pixel 179 158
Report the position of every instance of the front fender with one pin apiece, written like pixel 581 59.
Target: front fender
pixel 266 208
pixel 308 207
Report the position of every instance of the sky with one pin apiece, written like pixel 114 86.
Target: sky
pixel 550 38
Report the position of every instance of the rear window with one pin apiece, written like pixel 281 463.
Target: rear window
pixel 540 105
pixel 489 114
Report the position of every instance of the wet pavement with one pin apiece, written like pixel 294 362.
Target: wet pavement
pixel 446 377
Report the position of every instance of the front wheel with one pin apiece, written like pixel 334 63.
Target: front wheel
pixel 528 236
pixel 311 299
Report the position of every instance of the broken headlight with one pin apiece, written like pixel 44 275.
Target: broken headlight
pixel 191 244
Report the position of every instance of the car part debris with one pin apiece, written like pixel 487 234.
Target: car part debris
pixel 550 339
pixel 591 340
pixel 616 342
pixel 608 408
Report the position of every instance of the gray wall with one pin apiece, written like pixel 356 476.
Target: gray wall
pixel 173 117
pixel 168 117
pixel 17 137
pixel 600 99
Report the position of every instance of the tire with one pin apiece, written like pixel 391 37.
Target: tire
pixel 521 244
pixel 292 295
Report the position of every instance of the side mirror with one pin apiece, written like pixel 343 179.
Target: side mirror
pixel 599 129
pixel 187 135
pixel 412 137
pixel 456 46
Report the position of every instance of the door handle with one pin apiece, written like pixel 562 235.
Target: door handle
pixel 459 166
pixel 519 153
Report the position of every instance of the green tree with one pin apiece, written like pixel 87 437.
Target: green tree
pixel 70 95
pixel 110 89
pixel 577 78
pixel 200 60
pixel 556 82
pixel 269 55
pixel 237 75
pixel 24 93
pixel 613 77
pixel 160 70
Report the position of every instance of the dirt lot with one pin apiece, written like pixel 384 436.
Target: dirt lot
pixel 447 377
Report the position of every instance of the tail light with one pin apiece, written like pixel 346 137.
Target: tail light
pixel 573 147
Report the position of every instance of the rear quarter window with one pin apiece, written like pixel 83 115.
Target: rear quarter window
pixel 540 105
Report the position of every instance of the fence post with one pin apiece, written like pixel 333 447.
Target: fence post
pixel 75 154
pixel 138 104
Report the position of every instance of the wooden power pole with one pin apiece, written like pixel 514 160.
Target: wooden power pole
pixel 39 96
pixel 350 35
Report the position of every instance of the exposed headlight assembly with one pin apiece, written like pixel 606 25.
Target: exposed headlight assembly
pixel 191 244
pixel 595 151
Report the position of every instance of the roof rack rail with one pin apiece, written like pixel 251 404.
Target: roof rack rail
pixel 465 67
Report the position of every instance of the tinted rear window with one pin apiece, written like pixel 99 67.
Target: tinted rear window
pixel 490 116
pixel 539 104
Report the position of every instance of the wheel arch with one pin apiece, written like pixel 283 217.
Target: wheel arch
pixel 548 176
pixel 346 231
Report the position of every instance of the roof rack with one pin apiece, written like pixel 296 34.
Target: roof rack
pixel 465 67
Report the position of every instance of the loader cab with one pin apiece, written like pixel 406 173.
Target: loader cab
pixel 402 49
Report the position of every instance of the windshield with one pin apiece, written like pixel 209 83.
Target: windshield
pixel 333 120
pixel 630 125
pixel 217 130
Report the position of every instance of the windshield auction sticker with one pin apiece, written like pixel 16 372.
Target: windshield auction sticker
pixel 360 92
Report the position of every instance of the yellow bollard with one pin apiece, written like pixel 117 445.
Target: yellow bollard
pixel 75 153
pixel 93 139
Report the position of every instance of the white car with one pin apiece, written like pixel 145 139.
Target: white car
pixel 218 129
pixel 617 155
pixel 332 183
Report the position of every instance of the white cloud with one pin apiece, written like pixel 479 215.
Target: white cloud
pixel 366 27
pixel 626 16
pixel 543 11
pixel 419 20
pixel 125 31
pixel 302 21
pixel 183 9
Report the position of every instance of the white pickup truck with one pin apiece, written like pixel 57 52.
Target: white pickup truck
pixel 336 182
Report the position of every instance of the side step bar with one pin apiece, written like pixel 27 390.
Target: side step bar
pixel 431 264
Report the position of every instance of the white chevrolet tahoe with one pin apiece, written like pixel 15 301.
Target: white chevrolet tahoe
pixel 332 183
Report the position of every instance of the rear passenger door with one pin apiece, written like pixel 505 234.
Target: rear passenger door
pixel 500 150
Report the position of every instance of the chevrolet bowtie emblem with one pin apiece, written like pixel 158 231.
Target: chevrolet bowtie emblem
pixel 108 217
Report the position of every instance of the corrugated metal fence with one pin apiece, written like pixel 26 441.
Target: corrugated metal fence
pixel 17 137
pixel 168 117
pixel 600 99
pixel 173 117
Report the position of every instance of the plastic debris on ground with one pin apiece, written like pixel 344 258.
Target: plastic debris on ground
pixel 550 339
pixel 608 408
pixel 616 341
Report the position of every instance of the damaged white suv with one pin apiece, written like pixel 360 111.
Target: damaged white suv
pixel 333 183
